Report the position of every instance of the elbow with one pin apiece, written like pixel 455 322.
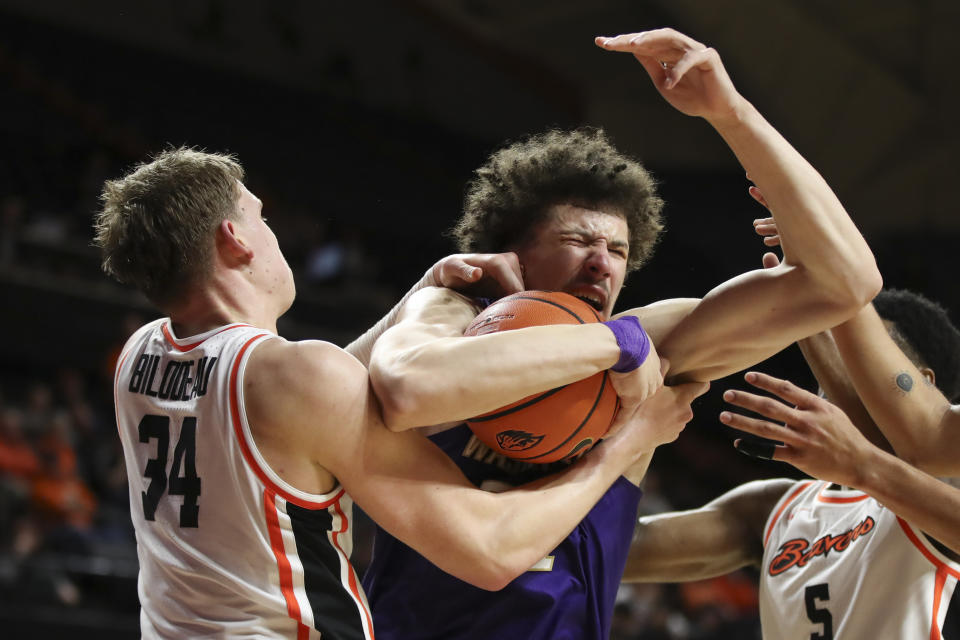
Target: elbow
pixel 487 564
pixel 862 285
pixel 398 396
pixel 493 576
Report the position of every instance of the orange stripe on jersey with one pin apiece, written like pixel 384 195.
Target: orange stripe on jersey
pixel 283 563
pixel 245 446
pixel 937 594
pixel 925 551
pixel 786 503
pixel 193 345
pixel 351 574
pixel 823 497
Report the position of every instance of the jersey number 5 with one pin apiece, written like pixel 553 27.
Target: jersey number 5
pixel 184 459
pixel 813 593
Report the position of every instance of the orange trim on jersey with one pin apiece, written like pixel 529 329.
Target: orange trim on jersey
pixel 786 503
pixel 193 345
pixel 937 594
pixel 351 574
pixel 937 562
pixel 245 446
pixel 822 497
pixel 283 563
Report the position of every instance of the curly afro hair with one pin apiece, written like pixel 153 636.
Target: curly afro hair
pixel 517 185
pixel 923 330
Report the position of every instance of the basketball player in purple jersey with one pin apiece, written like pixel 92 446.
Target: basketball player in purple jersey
pixel 244 451
pixel 578 215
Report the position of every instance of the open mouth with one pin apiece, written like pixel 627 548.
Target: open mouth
pixel 593 302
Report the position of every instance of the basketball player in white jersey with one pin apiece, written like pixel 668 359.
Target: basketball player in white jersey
pixel 244 451
pixel 847 556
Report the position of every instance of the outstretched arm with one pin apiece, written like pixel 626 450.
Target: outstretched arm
pixel 719 537
pixel 828 271
pixel 820 440
pixel 317 411
pixel 486 274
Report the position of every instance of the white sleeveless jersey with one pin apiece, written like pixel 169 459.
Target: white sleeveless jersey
pixel 226 547
pixel 838 564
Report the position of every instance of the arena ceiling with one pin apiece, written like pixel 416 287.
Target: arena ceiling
pixel 866 90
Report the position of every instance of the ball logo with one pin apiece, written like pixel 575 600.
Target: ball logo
pixel 487 324
pixel 517 440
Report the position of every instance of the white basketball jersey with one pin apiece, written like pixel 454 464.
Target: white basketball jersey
pixel 226 547
pixel 838 564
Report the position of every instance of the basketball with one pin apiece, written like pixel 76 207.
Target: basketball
pixel 558 424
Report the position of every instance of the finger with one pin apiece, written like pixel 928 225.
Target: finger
pixel 770 260
pixel 766 229
pixel 755 426
pixel 466 272
pixel 506 275
pixel 761 221
pixel 762 449
pixel 621 42
pixel 782 388
pixel 757 195
pixel 689 60
pixel 764 405
pixel 772 241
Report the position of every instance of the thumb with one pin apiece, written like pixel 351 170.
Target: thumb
pixel 664 367
pixel 471 274
pixel 770 260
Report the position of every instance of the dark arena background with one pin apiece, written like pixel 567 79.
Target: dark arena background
pixel 358 124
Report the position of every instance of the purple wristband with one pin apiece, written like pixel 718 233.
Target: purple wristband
pixel 632 340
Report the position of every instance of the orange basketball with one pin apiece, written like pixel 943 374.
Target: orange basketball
pixel 552 425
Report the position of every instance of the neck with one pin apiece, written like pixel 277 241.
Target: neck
pixel 222 301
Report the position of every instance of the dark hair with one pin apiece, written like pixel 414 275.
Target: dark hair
pixel 156 227
pixel 515 187
pixel 923 330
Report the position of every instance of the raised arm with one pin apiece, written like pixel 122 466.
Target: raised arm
pixel 719 537
pixel 820 440
pixel 828 271
pixel 324 414
pixel 918 421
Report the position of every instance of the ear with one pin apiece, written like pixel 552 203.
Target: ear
pixel 230 245
pixel 929 375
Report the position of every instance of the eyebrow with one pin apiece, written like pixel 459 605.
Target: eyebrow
pixel 584 233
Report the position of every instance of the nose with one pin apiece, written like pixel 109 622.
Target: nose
pixel 598 262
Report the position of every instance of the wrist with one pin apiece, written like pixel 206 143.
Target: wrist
pixel 633 341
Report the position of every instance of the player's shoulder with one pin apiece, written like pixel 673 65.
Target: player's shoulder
pixel 291 364
pixel 289 384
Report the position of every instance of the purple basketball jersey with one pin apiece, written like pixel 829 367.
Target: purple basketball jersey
pixel 569 596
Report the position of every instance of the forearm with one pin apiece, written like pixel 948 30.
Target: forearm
pixel 925 502
pixel 715 539
pixel 454 378
pixel 662 551
pixel 911 413
pixel 362 347
pixel 823 358
pixel 815 230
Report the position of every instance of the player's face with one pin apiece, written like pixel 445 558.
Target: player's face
pixel 271 267
pixel 579 251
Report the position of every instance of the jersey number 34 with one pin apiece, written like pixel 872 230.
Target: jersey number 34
pixel 183 479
